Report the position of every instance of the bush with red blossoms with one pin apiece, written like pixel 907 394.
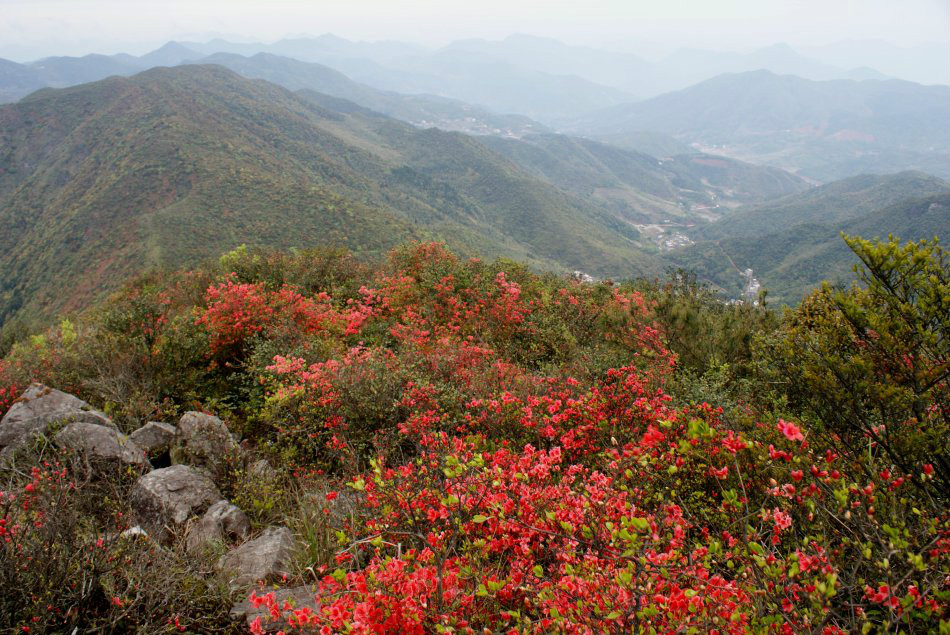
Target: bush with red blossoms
pixel 469 447
pixel 627 514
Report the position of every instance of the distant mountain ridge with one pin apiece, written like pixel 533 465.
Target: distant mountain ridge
pixel 18 80
pixel 420 110
pixel 557 80
pixel 620 70
pixel 823 130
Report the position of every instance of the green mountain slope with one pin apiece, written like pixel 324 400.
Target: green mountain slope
pixel 641 188
pixel 174 165
pixel 830 203
pixel 790 262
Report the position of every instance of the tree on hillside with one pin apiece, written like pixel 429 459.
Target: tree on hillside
pixel 871 364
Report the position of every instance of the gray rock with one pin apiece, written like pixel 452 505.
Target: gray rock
pixel 299 597
pixel 43 403
pixel 37 408
pixel 17 433
pixel 100 442
pixel 222 522
pixel 165 499
pixel 203 440
pixel 154 437
pixel 264 558
pixel 89 416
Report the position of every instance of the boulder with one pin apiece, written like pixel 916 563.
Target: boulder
pixel 154 437
pixel 165 499
pixel 37 408
pixel 203 440
pixel 264 558
pixel 43 403
pixel 222 522
pixel 298 597
pixel 89 416
pixel 100 442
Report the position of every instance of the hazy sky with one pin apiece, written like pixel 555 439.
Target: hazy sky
pixel 34 28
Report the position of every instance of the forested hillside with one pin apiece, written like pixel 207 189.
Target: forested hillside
pixel 175 165
pixel 791 262
pixel 835 202
pixel 794 242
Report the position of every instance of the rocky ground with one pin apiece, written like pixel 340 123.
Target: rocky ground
pixel 175 501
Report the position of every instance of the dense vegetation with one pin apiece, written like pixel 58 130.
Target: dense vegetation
pixel 518 453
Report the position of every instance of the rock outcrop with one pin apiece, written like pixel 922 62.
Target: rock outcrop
pixel 100 442
pixel 155 438
pixel 37 408
pixel 165 499
pixel 202 440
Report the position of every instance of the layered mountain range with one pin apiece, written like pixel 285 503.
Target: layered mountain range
pixel 174 165
pixel 275 146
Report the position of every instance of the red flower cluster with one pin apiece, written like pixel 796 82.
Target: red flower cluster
pixel 551 504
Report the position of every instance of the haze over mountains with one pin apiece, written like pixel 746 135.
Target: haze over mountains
pixel 560 156
pixel 773 106
pixel 175 165
pixel 821 130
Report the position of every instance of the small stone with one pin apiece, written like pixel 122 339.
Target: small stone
pixel 262 471
pixel 134 532
pixel 222 522
pixel 264 558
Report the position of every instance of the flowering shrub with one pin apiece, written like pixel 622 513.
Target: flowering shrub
pixel 542 504
pixel 640 516
pixel 8 394
pixel 527 454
